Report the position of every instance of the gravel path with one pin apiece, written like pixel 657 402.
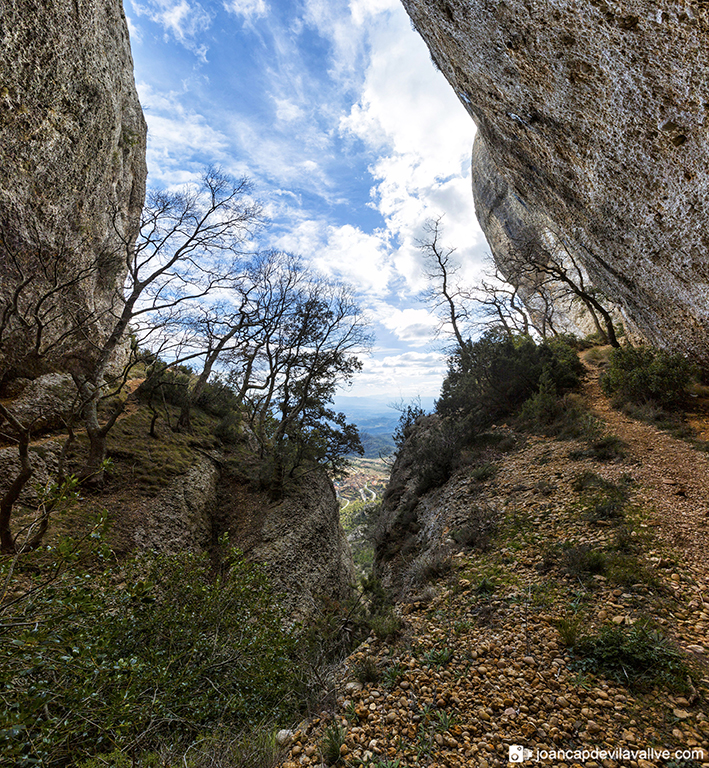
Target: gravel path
pixel 481 664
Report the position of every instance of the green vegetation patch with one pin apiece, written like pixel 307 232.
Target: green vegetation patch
pixel 86 668
pixel 645 375
pixel 637 656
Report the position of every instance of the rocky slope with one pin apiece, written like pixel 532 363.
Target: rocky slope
pixel 491 652
pixel 72 148
pixel 594 113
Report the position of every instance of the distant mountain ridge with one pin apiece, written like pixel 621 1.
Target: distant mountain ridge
pixel 376 418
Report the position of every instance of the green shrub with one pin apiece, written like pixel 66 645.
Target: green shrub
pixel 478 529
pixel 385 625
pixel 332 740
pixel 583 560
pixel 569 628
pixel 567 417
pixel 438 657
pixel 217 398
pixel 229 430
pixel 484 472
pixel 86 668
pixel 607 448
pixel 366 670
pixel 493 376
pixel 644 375
pixel 638 656
pixel 392 675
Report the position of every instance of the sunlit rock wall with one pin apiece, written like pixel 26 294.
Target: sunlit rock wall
pixel 595 113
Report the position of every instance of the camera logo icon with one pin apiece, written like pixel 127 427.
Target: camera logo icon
pixel 518 754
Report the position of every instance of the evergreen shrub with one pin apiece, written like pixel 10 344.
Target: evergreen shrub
pixel 88 667
pixel 643 375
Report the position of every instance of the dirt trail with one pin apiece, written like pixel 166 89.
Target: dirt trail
pixel 672 478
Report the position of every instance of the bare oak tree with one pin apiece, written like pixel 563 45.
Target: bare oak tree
pixel 188 246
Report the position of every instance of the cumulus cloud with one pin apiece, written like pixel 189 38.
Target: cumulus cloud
pixel 415 326
pixel 421 136
pixel 181 19
pixel 345 253
pixel 403 376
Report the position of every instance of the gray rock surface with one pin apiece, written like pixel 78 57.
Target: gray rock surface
pixel 181 517
pixel 72 146
pixel 595 113
pixel 44 401
pixel 510 226
pixel 298 539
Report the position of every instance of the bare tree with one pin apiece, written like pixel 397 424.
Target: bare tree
pixel 188 246
pixel 551 272
pixel 447 296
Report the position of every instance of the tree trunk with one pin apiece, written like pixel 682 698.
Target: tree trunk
pixel 9 499
pixel 92 472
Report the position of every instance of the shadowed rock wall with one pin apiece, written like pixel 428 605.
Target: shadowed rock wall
pixel 72 146
pixel 595 114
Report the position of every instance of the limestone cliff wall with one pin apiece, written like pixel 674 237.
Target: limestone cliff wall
pixel 72 146
pixel 594 113
pixel 299 539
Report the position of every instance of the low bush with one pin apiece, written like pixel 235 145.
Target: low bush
pixel 637 656
pixel 86 668
pixel 478 529
pixel 366 670
pixel 332 740
pixel 607 448
pixel 644 375
pixel 582 561
pixel 569 630
pixel 567 417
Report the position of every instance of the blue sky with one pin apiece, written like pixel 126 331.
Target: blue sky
pixel 352 138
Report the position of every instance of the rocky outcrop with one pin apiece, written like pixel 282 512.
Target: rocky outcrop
pixel 181 518
pixel 417 532
pixel 595 115
pixel 298 539
pixel 513 229
pixel 72 151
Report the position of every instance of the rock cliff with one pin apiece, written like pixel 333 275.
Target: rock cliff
pixel 594 114
pixel 298 539
pixel 72 148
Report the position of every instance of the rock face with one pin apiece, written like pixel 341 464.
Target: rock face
pixel 595 115
pixel 72 148
pixel 511 228
pixel 180 518
pixel 299 540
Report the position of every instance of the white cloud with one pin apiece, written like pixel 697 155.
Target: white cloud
pixel 181 19
pixel 176 135
pixel 249 9
pixel 410 119
pixel 413 326
pixel 288 111
pixel 401 376
pixel 346 253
